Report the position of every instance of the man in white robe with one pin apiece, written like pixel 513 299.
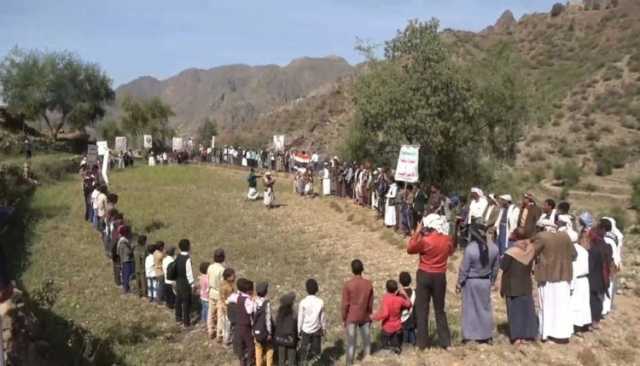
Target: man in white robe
pixel 580 292
pixel 554 273
pixel 547 222
pixel 326 180
pixel 390 207
pixel 477 206
pixel 614 239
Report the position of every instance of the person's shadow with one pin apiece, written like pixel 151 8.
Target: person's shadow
pixel 330 355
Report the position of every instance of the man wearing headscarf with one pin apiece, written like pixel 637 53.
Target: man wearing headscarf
pixel 554 272
pixel 614 238
pixel 506 223
pixel 491 215
pixel 529 215
pixel 477 206
pixel 476 276
pixel 516 288
pixel 434 249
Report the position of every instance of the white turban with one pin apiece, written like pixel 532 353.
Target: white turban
pixel 436 222
pixel 477 191
pixel 568 227
pixel 506 197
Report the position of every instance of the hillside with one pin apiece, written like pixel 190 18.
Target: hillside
pixel 235 95
pixel 584 70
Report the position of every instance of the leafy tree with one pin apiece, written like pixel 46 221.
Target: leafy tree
pixel 417 95
pixel 109 129
pixel 150 117
pixel 208 129
pixel 503 96
pixel 57 87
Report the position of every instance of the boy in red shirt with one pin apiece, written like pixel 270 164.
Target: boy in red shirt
pixel 390 314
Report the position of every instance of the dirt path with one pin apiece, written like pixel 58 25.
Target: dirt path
pixel 353 232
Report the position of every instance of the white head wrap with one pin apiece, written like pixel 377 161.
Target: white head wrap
pixel 615 230
pixel 477 191
pixel 568 227
pixel 436 222
pixel 506 197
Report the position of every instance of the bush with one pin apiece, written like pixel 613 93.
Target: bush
pixel 611 157
pixel 569 172
pixel 635 194
pixel 556 10
pixel 619 214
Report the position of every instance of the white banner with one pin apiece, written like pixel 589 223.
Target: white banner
pixel 278 142
pixel 103 147
pixel 121 143
pixel 148 141
pixel 105 167
pixel 213 142
pixel 407 168
pixel 176 144
pixel 92 154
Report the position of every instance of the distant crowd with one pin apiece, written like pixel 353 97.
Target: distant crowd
pixel 573 258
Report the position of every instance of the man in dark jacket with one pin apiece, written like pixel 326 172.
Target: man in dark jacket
pixel 184 282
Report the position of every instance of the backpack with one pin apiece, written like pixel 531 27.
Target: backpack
pixel 172 271
pixel 260 320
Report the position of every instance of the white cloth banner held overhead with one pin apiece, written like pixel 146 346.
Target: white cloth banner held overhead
pixel 213 142
pixel 176 144
pixel 278 142
pixel 92 154
pixel 103 147
pixel 148 141
pixel 407 168
pixel 121 143
pixel 105 167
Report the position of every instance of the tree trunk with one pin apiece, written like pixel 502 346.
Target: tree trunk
pixel 52 131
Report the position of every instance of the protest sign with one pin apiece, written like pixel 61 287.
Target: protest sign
pixel 92 154
pixel 176 144
pixel 121 143
pixel 407 168
pixel 278 142
pixel 102 147
pixel 148 141
pixel 105 167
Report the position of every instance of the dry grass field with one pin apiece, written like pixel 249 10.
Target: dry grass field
pixel 300 239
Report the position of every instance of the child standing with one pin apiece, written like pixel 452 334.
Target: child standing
pixel 262 326
pixel 203 284
pixel 286 334
pixel 408 318
pixel 151 273
pixel 311 323
pixel 139 255
pixel 226 291
pixel 390 312
pixel 243 344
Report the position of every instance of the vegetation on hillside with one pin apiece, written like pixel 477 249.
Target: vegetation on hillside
pixel 419 95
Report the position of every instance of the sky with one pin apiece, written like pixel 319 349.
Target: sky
pixel 160 38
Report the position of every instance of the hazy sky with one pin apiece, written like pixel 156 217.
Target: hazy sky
pixel 131 38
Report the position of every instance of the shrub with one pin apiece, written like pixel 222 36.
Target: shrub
pixel 588 123
pixel 566 151
pixel 556 10
pixel 592 136
pixel 630 122
pixel 537 156
pixel 569 172
pixel 606 129
pixel 619 214
pixel 613 156
pixel 635 194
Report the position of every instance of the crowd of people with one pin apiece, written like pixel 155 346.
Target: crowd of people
pixel 573 259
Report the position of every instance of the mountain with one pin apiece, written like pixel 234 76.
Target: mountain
pixel 235 95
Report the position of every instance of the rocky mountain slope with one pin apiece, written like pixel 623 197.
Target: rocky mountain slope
pixel 235 95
